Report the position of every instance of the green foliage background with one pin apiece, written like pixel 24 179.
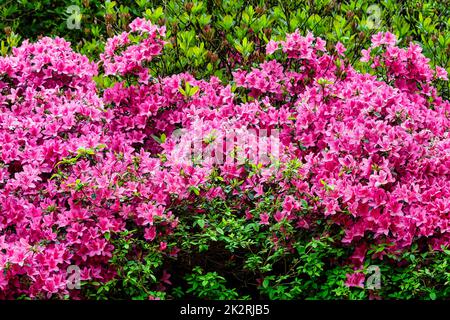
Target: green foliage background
pixel 223 255
pixel 202 34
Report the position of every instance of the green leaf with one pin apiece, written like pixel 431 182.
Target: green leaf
pixel 194 189
pixel 227 22
pixel 201 223
pixel 193 91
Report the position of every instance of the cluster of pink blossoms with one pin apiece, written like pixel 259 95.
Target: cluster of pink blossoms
pixel 77 164
pixel 122 56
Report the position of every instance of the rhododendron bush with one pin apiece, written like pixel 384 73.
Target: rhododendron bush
pixel 301 161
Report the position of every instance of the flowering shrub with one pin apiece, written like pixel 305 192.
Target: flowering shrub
pixel 211 39
pixel 297 174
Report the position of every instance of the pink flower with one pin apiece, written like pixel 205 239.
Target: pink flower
pixel 279 215
pixel 165 277
pixel 355 280
pixel 320 44
pixel 384 38
pixel 264 219
pixel 150 233
pixel 441 73
pixel 271 47
pixel 365 55
pixel 340 49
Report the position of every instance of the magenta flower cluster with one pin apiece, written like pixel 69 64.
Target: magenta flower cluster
pixel 78 164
